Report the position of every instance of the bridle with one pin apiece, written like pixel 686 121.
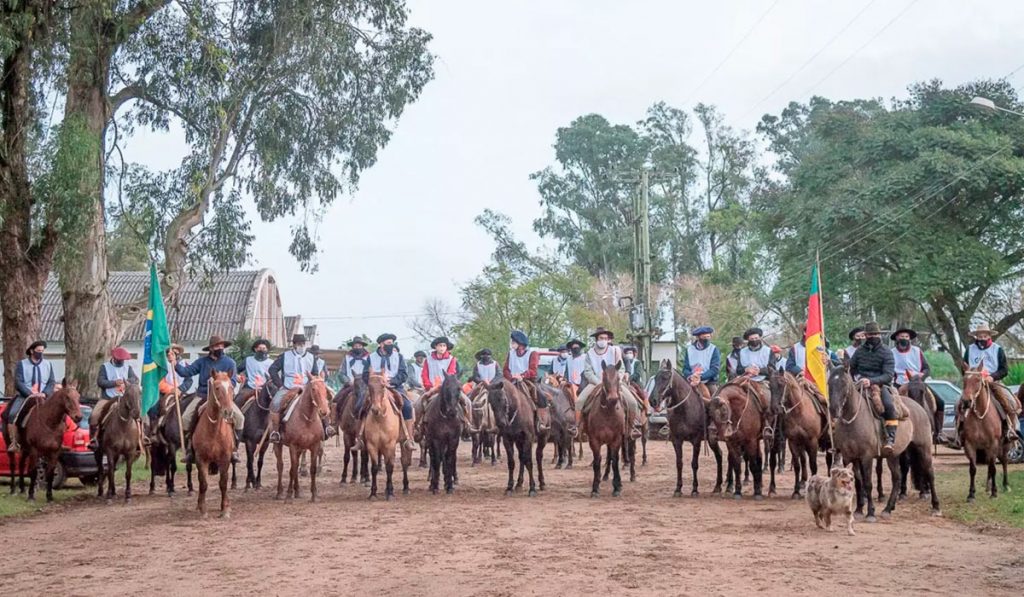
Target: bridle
pixel 973 399
pixel 668 393
pixel 223 414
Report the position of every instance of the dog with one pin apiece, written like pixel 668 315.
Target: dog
pixel 832 495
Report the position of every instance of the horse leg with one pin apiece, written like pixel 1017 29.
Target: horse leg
pixel 112 458
pixel 435 467
pixel 389 470
pixel 201 505
pixel 677 445
pixel 294 456
pixel 364 468
pixel 972 462
pixel 234 477
pixel 374 469
pixel 878 474
pixel 101 473
pixel 607 465
pixel 1006 482
pixel 188 477
pixel 773 463
pixel 632 460
pixel 904 468
pixel 511 462
pixel 314 466
pixel 616 475
pixel 541 442
pixel 796 457
pixel 868 498
pixel 450 465
pixel 895 465
pixel 643 446
pixel 172 471
pixel 758 470
pixel 51 466
pixel 280 471
pixel 991 472
pixel 225 499
pixel 596 449
pixel 406 461
pixel 250 470
pixel 736 468
pixel 569 452
pixel 717 451
pixel 858 485
pixel 522 471
pixel 128 462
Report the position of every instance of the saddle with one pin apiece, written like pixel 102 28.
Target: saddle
pixel 703 392
pixel 897 402
pixel 756 391
pixel 817 399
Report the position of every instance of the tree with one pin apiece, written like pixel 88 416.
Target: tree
pixel 282 104
pixel 438 319
pixel 912 204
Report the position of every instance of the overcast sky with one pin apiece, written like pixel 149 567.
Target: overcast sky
pixel 509 74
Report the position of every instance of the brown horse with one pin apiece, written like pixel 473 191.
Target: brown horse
pixel 380 436
pixel 213 440
pixel 43 436
pixel 562 401
pixel 687 422
pixel 486 430
pixel 606 426
pixel 515 416
pixel 803 427
pixel 346 419
pixel 303 432
pixel 442 433
pixel 119 439
pixel 982 430
pixel 739 414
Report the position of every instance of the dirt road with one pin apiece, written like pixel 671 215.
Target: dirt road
pixel 479 542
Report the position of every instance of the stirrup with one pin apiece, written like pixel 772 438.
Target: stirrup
pixel 275 437
pixel 13 448
pixel 359 445
pixel 409 444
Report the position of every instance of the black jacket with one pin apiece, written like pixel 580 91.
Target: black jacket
pixel 874 364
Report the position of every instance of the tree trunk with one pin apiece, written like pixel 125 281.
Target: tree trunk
pixel 90 325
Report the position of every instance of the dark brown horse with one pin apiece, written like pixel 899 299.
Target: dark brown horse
pixel 802 425
pixel 442 433
pixel 303 432
pixel 42 438
pixel 257 415
pixel 982 430
pixel 738 411
pixel 166 441
pixel 347 420
pixel 486 430
pixel 515 417
pixel 119 439
pixel 687 422
pixel 561 399
pixel 606 426
pixel 213 440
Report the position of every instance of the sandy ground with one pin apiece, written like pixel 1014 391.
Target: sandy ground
pixel 480 542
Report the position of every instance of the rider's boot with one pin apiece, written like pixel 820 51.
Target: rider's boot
pixel 275 425
pixel 1012 424
pixel 407 433
pixel 890 437
pixel 13 432
pixel 543 419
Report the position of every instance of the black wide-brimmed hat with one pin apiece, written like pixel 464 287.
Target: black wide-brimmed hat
pixel 747 334
pixel 299 339
pixel 912 333
pixel 442 340
pixel 854 332
pixel 34 346
pixel 599 331
pixel 258 342
pixel 358 340
pixel 483 352
pixel 384 337
pixel 214 341
pixel 575 342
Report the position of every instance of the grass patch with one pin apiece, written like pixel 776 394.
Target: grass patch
pixel 942 366
pixel 1006 510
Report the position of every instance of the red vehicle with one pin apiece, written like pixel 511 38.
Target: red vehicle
pixel 76 459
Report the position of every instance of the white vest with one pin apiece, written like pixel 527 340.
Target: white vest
pixel 611 356
pixel 907 364
pixel 27 370
pixel 733 363
pixel 560 367
pixel 114 374
pixel 321 366
pixel 574 370
pixel 355 366
pixel 989 357
pixel 519 365
pixel 850 350
pixel 799 355
pixel 437 368
pixel 487 372
pixel 379 363
pixel 696 357
pixel 256 371
pixel 296 365
pixel 755 358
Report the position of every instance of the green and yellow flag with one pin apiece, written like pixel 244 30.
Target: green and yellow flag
pixel 816 353
pixel 157 341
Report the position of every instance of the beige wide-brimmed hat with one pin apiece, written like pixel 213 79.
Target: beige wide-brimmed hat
pixel 983 328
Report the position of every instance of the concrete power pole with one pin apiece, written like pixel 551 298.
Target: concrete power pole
pixel 641 318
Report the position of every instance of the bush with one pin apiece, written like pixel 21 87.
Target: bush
pixel 1016 375
pixel 943 366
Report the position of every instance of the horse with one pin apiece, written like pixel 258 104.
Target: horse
pixel 43 436
pixel 982 431
pixel 687 422
pixel 347 421
pixel 119 438
pixel 213 440
pixel 303 432
pixel 917 390
pixel 165 445
pixel 739 418
pixel 380 436
pixel 561 399
pixel 859 440
pixel 606 426
pixel 486 430
pixel 802 427
pixel 515 417
pixel 442 433
pixel 257 416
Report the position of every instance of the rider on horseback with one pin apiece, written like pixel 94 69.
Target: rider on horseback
pixel 985 352
pixel 560 366
pixel 856 336
pixel 606 352
pixel 702 360
pixel 633 368
pixel 415 373
pixel 908 360
pixel 33 378
pixel 486 369
pixel 387 360
pixel 732 362
pixel 577 363
pixel 442 362
pixel 112 377
pixel 256 371
pixel 288 373
pixel 873 365
pixel 215 361
pixel 167 388
pixel 355 362
pixel 521 369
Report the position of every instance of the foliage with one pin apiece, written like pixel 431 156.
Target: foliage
pixel 1006 510
pixel 727 309
pixel 241 346
pixel 1015 375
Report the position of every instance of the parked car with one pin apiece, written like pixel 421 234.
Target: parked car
pixel 76 459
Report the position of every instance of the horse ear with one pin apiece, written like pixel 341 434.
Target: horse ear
pixel 666 364
pixel 604 365
pixel 618 365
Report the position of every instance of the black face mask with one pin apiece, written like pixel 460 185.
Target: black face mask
pixel 872 342
pixel 983 344
pixel 754 344
pixel 37 356
pixel 576 351
pixel 357 352
pixel 857 343
pixel 487 360
pixel 388 349
pixel 700 344
pixel 260 355
pixel 117 363
pixel 218 353
pixel 903 343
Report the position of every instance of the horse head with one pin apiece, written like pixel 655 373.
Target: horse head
pixel 974 384
pixel 840 389
pixel 610 382
pixel 501 404
pixel 378 389
pixel 720 414
pixel 451 393
pixel 663 382
pixel 317 389
pixel 222 390
pixel 132 401
pixel 69 400
pixel 777 384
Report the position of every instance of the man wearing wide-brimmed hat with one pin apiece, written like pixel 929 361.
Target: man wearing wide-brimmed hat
pixel 112 378
pixel 577 362
pixel 33 377
pixel 355 362
pixel 255 370
pixel 604 353
pixel 387 360
pixel 203 368
pixel 440 362
pixel 289 374
pixel 872 365
pixel 702 360
pixel 856 336
pixel 486 368
pixel 985 353
pixel 908 360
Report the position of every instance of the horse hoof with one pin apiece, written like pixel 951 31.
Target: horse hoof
pixel 225 514
pixel 902 497
pixel 405 491
pixel 886 514
pixel 127 501
pixel 796 495
pixel 937 513
pixel 190 492
pixel 594 494
pixel 970 499
pixel 871 519
pixel 436 491
pixel 694 493
pixel 617 493
pixel 737 496
pixel 568 467
pixel 449 491
pixel 924 495
pixel 508 492
pixel 759 497
pixel 203 515
pixel 388 497
pixel 532 493
pixel 677 493
pixel 152 491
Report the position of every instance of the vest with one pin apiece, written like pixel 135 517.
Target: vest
pixel 800 355
pixel 172 376
pixel 416 373
pixel 907 363
pixel 35 375
pixel 629 366
pixel 519 365
pixel 733 363
pixel 379 362
pixel 487 372
pixel 114 374
pixel 321 366
pixel 755 358
pixel 256 371
pixel 296 365
pixel 355 366
pixel 560 367
pixel 437 368
pixel 850 350
pixel 574 369
pixel 697 358
pixel 989 357
pixel 611 356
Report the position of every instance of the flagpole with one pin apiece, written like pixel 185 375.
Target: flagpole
pixel 177 406
pixel 821 318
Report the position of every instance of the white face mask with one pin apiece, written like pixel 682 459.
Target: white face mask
pixel 563 355
pixel 513 346
pixel 602 344
pixel 300 350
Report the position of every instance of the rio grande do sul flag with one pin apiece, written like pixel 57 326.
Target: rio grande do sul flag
pixel 814 363
pixel 157 341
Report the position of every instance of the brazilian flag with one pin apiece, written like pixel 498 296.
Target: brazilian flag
pixel 157 341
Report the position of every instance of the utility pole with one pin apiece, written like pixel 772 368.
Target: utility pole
pixel 640 317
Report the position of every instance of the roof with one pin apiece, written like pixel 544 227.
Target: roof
pixel 223 304
pixel 291 325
